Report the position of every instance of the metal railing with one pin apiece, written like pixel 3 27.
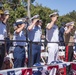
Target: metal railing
pixel 30 45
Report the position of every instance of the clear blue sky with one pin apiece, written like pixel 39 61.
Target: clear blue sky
pixel 63 6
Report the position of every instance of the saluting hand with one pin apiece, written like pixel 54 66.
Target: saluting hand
pixel 35 21
pixel 6 17
pixel 54 19
pixel 70 27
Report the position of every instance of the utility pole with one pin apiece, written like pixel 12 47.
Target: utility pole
pixel 28 8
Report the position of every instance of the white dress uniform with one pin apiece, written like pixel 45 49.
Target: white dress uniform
pixel 52 36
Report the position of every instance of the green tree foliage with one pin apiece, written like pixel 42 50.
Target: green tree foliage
pixel 43 12
pixel 71 16
pixel 17 11
pixel 31 1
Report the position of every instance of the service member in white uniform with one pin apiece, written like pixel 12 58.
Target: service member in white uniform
pixel 52 36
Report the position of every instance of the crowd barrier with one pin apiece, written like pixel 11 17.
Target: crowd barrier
pixel 36 70
pixel 43 70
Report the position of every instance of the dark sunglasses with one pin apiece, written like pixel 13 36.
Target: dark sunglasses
pixel 54 16
pixel 38 21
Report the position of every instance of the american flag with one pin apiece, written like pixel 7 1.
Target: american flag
pixel 42 70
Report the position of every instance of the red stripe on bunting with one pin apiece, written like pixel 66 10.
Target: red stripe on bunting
pixel 66 53
pixel 26 71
